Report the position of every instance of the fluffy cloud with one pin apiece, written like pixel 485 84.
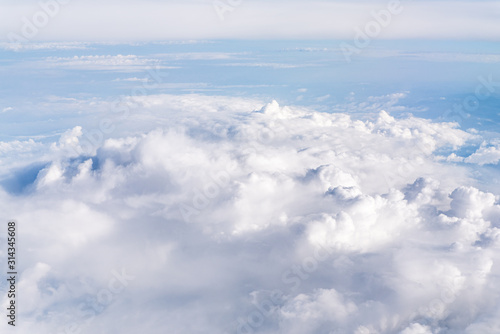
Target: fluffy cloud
pixel 488 153
pixel 223 215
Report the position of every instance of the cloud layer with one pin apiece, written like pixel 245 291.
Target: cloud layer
pixel 234 217
pixel 160 20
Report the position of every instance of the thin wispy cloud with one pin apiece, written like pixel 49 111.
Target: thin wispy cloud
pixel 155 20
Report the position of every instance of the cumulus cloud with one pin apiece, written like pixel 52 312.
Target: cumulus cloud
pixel 487 153
pixel 226 215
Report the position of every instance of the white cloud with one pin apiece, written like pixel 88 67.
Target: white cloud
pixel 323 98
pixel 487 153
pixel 133 79
pixel 454 57
pixel 309 313
pixel 161 20
pixel 272 65
pixel 417 328
pixel 45 46
pixel 372 105
pixel 107 62
pixel 201 55
pixel 233 214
